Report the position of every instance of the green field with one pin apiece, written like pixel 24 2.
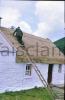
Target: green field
pixel 32 94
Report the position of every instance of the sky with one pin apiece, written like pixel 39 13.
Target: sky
pixel 41 18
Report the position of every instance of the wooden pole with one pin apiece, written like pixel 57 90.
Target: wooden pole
pixel 50 71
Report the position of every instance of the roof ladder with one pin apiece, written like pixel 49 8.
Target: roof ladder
pixel 42 79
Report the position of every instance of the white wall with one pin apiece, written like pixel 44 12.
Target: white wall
pixel 12 76
pixel 4 56
pixel 58 78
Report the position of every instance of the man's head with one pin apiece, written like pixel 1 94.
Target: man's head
pixel 18 27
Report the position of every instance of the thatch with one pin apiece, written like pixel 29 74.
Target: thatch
pixel 41 50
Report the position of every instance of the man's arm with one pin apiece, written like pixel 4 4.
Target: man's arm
pixel 22 33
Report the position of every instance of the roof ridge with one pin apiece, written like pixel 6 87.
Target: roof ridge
pixel 26 33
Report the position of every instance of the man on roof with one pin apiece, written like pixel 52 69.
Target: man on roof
pixel 19 35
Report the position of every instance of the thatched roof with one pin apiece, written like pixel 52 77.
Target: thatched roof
pixel 41 50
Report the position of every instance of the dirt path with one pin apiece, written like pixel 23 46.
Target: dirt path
pixel 59 93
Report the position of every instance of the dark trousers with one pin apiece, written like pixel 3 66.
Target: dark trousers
pixel 19 39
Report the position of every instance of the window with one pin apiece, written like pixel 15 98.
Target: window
pixel 60 68
pixel 28 69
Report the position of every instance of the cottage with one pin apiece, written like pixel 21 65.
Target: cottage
pixel 16 71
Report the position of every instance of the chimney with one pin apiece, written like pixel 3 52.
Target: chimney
pixel 0 21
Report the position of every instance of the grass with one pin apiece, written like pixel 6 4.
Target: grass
pixel 32 94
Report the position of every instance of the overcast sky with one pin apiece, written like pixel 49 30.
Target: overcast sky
pixel 40 18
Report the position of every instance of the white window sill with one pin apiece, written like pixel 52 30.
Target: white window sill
pixel 27 76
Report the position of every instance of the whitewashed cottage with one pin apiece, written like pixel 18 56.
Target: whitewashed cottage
pixel 16 72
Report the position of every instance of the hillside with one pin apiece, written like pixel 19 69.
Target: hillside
pixel 61 44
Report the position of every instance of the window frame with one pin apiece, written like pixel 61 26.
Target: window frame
pixel 28 70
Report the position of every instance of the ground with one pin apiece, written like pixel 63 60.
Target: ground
pixel 32 94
